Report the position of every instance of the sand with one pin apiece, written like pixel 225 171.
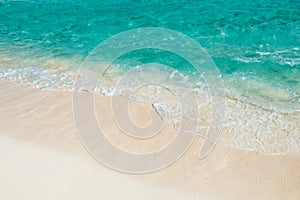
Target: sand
pixel 42 158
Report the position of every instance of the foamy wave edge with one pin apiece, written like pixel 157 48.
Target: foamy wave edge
pixel 247 126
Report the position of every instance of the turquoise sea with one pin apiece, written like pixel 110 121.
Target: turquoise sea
pixel 255 44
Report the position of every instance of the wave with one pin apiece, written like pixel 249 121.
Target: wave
pixel 248 126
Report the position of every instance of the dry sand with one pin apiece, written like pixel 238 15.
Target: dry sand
pixel 42 158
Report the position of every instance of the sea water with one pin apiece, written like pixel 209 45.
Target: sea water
pixel 254 44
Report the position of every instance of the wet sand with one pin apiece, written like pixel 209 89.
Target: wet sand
pixel 42 158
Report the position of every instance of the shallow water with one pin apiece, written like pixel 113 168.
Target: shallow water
pixel 255 44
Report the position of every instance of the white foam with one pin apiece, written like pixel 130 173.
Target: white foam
pixel 247 127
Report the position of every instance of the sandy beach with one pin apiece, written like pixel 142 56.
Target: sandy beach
pixel 42 158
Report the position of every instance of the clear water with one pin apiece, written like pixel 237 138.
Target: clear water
pixel 255 44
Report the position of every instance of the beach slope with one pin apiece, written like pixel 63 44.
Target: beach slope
pixel 42 158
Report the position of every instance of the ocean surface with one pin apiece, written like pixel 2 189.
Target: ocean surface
pixel 254 44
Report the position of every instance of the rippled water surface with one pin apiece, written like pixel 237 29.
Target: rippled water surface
pixel 255 44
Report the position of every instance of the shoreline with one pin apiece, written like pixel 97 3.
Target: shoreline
pixel 247 126
pixel 40 149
